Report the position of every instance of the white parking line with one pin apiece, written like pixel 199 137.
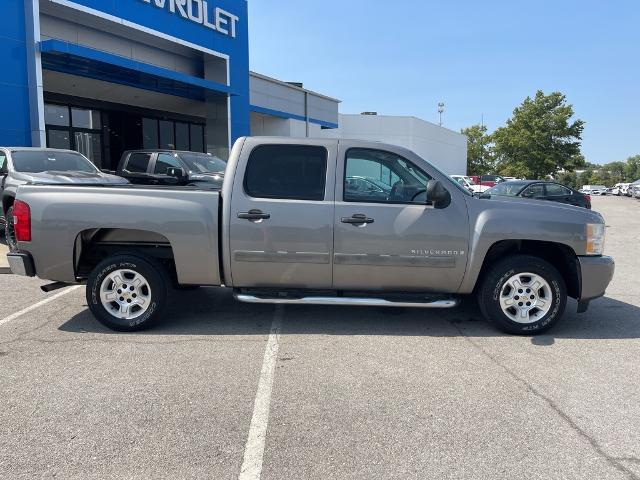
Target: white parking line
pixel 254 449
pixel 38 305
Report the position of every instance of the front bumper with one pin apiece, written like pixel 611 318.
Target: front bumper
pixel 21 264
pixel 595 275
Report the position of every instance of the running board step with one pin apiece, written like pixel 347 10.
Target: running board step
pixel 354 301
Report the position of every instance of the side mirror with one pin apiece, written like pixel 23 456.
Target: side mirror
pixel 437 194
pixel 176 172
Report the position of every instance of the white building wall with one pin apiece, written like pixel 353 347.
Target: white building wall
pixel 272 94
pixel 267 125
pixel 444 148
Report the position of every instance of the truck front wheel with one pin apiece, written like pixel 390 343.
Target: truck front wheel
pixel 127 293
pixel 523 295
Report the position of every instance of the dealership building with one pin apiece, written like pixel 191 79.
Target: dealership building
pixel 105 76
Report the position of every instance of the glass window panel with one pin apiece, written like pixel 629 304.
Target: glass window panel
pixel 90 145
pixel 89 119
pixel 167 135
pixel 182 136
pixel 376 176
pixel 56 115
pixel 534 191
pixel 553 189
pixel 197 138
pixel 37 161
pixel 59 139
pixel 165 161
pixel 150 133
pixel 287 171
pixel 138 162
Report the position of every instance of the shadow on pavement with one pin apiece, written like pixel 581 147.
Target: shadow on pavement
pixel 211 311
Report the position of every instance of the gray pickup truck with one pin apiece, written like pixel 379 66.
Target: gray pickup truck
pixel 290 226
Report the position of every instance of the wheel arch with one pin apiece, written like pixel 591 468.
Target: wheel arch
pixel 7 200
pixel 561 256
pixel 91 246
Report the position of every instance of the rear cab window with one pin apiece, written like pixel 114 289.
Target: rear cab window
pixel 292 172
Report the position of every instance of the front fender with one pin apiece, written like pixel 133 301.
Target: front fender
pixel 495 220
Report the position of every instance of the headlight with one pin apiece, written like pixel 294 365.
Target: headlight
pixel 595 238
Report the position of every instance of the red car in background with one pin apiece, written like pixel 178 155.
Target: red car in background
pixel 487 180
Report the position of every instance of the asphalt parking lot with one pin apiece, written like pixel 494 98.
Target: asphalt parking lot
pixel 353 393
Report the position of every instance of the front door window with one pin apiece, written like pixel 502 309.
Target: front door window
pixel 376 176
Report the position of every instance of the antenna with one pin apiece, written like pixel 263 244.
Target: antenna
pixel 440 111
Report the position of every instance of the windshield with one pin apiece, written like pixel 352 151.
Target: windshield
pixel 464 181
pixel 203 163
pixel 452 181
pixel 39 161
pixel 383 186
pixel 510 189
pixel 469 180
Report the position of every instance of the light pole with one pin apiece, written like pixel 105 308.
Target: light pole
pixel 440 111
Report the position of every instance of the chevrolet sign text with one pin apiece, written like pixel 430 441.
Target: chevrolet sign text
pixel 199 11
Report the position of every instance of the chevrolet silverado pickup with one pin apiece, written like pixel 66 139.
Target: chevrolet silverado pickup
pixel 289 226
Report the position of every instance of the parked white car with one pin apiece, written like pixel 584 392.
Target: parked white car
pixel 594 189
pixel 620 188
pixel 467 182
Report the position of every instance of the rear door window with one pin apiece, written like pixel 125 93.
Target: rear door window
pixel 294 172
pixel 555 190
pixel 138 162
pixel 534 191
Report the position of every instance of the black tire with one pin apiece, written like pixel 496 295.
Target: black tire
pixel 494 284
pixel 157 285
pixel 9 231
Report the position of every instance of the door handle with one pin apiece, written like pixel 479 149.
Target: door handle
pixel 357 219
pixel 254 215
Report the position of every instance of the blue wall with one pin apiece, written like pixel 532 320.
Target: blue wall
pixel 15 128
pixel 237 48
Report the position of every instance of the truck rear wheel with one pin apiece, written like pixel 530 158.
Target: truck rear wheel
pixel 523 295
pixel 127 293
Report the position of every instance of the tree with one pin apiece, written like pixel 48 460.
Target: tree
pixel 479 150
pixel 616 171
pixel 632 169
pixel 570 179
pixel 540 138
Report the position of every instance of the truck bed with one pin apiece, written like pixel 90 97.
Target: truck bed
pixel 65 218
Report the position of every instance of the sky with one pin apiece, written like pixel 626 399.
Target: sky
pixel 481 58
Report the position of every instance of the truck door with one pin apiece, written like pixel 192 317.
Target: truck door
pixel 396 243
pixel 281 219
